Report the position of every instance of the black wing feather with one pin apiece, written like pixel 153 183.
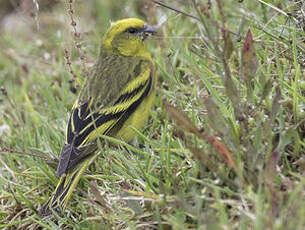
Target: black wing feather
pixel 72 152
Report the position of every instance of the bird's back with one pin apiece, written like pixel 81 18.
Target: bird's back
pixel 105 106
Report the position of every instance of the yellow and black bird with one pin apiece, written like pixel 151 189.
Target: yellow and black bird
pixel 117 95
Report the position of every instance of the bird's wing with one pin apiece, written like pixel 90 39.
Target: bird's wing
pixel 91 118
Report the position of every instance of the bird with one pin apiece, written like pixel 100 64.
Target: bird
pixel 116 95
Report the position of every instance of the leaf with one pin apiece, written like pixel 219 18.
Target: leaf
pixel 204 158
pixel 181 119
pixel 249 59
pixel 184 122
pixel 270 168
pixel 215 116
pixel 222 149
pixel 267 89
pixel 231 90
pixel 26 201
pixel 286 137
pixel 99 198
pixel 276 105
pixel 269 179
pixel 228 46
pixel 31 109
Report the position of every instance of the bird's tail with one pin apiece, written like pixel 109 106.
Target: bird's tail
pixel 64 189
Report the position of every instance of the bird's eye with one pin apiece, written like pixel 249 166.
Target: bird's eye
pixel 132 30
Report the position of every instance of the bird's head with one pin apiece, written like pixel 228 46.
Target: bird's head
pixel 126 37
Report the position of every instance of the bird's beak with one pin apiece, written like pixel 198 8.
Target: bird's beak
pixel 147 31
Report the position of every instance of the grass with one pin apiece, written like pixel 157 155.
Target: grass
pixel 224 146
